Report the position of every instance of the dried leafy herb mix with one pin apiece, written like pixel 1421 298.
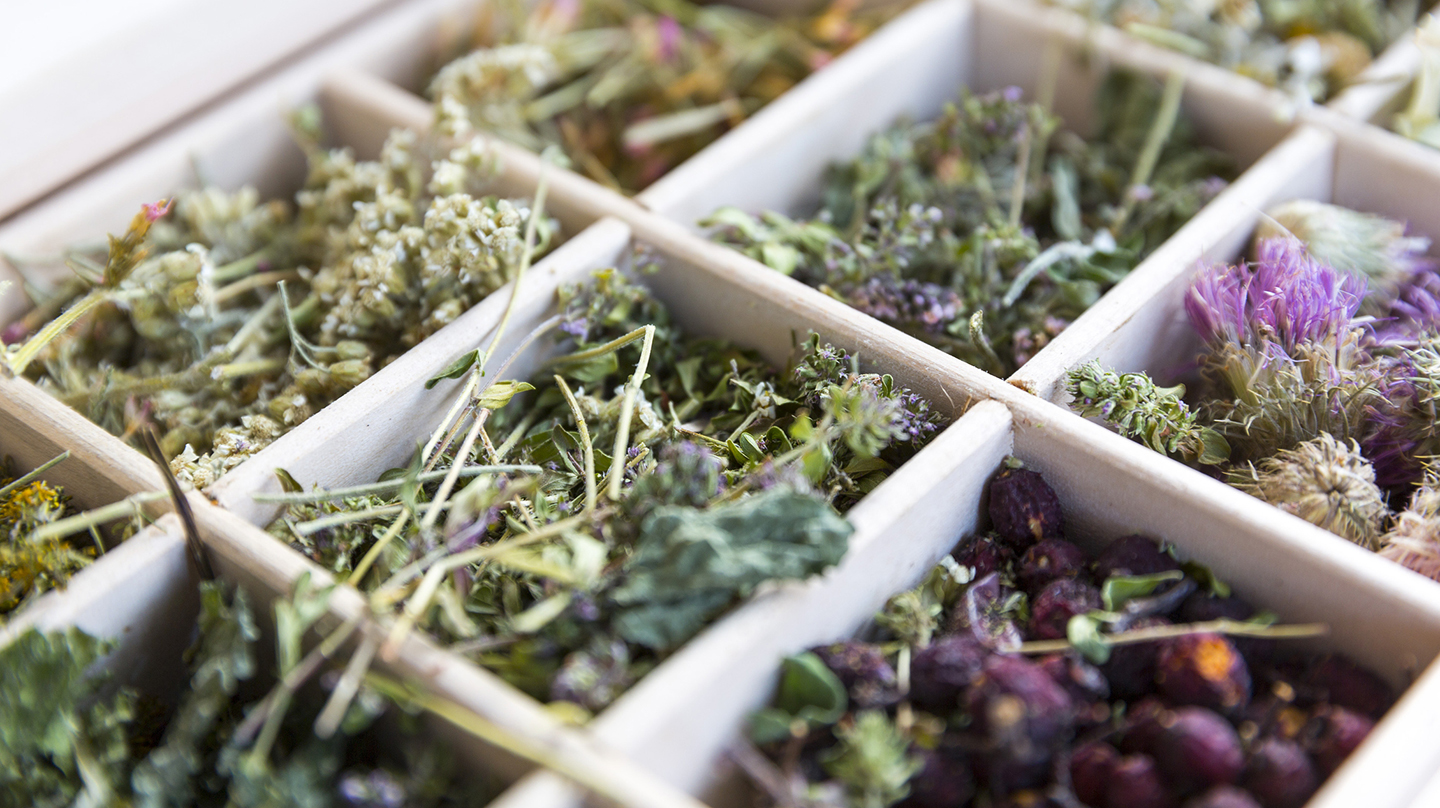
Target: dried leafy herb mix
pixel 633 490
pixel 629 89
pixel 986 231
pixel 228 321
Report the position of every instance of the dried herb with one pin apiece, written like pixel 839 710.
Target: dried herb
pixel 987 231
pixel 43 541
pixel 630 89
pixel 1311 49
pixel 228 321
pixel 627 495
pixel 1320 370
pixel 1420 120
pixel 69 738
pixel 1149 659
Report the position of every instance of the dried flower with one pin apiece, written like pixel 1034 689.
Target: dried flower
pixel 1420 120
pixel 1364 244
pixel 1414 539
pixel 1311 49
pixel 1325 483
pixel 185 322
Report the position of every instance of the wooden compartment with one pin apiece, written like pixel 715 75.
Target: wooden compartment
pixel 1111 487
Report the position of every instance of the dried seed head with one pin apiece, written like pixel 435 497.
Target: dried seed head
pixel 1325 483
pixel 1414 540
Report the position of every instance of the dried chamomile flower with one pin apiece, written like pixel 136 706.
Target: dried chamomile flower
pixel 230 320
pixel 1414 538
pixel 1324 482
pixel 1145 412
pixel 987 231
pixel 629 90
pixel 1311 49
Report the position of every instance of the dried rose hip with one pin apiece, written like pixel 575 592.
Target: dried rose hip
pixel 1280 774
pixel 1135 782
pixel 1197 748
pixel 863 670
pixel 1223 797
pixel 1090 768
pixel 1048 560
pixel 944 781
pixel 940 672
pixel 1204 670
pixel 1019 709
pixel 1337 680
pixel 1131 668
pixel 1133 555
pixel 1024 509
pixel 1336 733
pixel 984 555
pixel 1059 601
pixel 1144 723
pixel 1083 681
pixel 1201 607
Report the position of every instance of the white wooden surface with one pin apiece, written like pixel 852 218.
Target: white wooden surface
pixel 674 722
pixel 90 79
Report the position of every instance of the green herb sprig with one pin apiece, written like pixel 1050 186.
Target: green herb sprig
pixel 987 231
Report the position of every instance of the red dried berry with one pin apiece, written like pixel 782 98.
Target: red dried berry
pixel 1048 560
pixel 1059 601
pixel 1131 668
pixel 1133 555
pixel 982 614
pixel 1135 782
pixel 941 671
pixel 1223 797
pixel 1197 749
pixel 984 555
pixel 863 670
pixel 944 781
pixel 1280 774
pixel 1090 769
pixel 1339 681
pixel 1336 733
pixel 1024 509
pixel 1204 670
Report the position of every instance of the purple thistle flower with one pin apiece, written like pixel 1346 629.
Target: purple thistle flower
pixel 1286 297
pixel 1415 311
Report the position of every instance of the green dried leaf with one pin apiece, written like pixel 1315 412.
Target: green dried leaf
pixel 500 393
pixel 1083 632
pixel 1121 589
pixel 456 369
pixel 688 565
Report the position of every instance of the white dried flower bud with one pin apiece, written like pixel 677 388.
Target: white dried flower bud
pixel 1325 483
